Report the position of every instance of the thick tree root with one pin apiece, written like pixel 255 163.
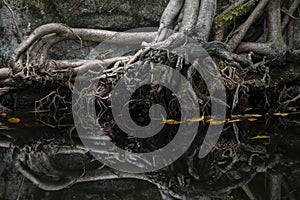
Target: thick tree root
pixel 242 30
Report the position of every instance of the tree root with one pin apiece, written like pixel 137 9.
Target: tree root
pixel 190 14
pixel 225 19
pixel 205 19
pixel 275 44
pixel 168 18
pixel 61 32
pixel 291 11
pixel 242 30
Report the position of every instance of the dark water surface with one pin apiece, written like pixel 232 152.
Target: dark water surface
pixel 278 136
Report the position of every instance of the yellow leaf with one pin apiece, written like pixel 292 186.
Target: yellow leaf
pixel 215 122
pixel 252 119
pixel 260 137
pixel 233 120
pixel 199 119
pixel 247 109
pixel 14 120
pixel 253 115
pixel 257 115
pixel 246 116
pixel 281 114
pixel 170 121
pixel 3 114
pixel 236 116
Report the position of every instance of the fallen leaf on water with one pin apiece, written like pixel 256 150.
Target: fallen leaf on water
pixel 215 122
pixel 14 120
pixel 234 120
pixel 256 115
pixel 236 116
pixel 170 121
pixel 246 116
pixel 3 114
pixel 247 108
pixel 260 137
pixel 251 119
pixel 199 119
pixel 281 114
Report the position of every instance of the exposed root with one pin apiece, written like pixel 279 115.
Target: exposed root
pixel 275 44
pixel 225 19
pixel 205 19
pixel 291 11
pixel 168 18
pixel 61 32
pixel 190 15
pixel 242 30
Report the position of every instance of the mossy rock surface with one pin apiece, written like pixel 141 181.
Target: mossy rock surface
pixel 118 15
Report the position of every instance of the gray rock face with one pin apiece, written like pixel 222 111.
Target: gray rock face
pixel 102 14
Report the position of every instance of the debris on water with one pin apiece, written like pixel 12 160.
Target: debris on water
pixel 14 120
pixel 260 137
pixel 252 119
pixel 281 114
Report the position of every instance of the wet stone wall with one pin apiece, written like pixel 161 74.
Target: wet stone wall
pixel 117 15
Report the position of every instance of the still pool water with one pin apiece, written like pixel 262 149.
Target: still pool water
pixel 254 159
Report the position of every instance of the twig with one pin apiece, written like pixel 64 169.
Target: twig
pixel 285 10
pixel 291 101
pixel 289 13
